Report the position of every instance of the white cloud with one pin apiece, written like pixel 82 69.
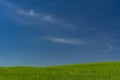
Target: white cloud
pixel 28 13
pixel 48 18
pixel 28 17
pixel 43 17
pixel 66 41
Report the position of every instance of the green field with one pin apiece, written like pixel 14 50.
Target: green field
pixel 93 71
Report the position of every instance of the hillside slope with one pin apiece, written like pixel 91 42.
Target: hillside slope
pixel 93 71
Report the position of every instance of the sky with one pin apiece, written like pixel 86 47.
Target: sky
pixel 57 32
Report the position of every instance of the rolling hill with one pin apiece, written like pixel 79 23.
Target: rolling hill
pixel 91 71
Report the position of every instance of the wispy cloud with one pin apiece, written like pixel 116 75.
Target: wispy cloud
pixel 108 49
pixel 48 18
pixel 39 16
pixel 32 17
pixel 66 41
pixel 18 11
pixel 28 13
pixel 35 17
pixel 8 6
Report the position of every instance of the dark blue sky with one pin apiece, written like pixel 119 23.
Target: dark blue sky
pixel 55 32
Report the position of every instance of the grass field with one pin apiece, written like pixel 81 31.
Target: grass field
pixel 93 71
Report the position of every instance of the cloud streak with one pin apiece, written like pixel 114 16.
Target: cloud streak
pixel 48 18
pixel 66 41
pixel 34 18
pixel 6 4
pixel 9 7
pixel 28 13
pixel 108 49
pixel 39 16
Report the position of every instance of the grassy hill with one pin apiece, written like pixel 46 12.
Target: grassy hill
pixel 93 71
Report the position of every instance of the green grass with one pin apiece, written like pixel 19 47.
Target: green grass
pixel 93 71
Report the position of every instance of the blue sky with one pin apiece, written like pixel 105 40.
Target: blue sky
pixel 56 32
